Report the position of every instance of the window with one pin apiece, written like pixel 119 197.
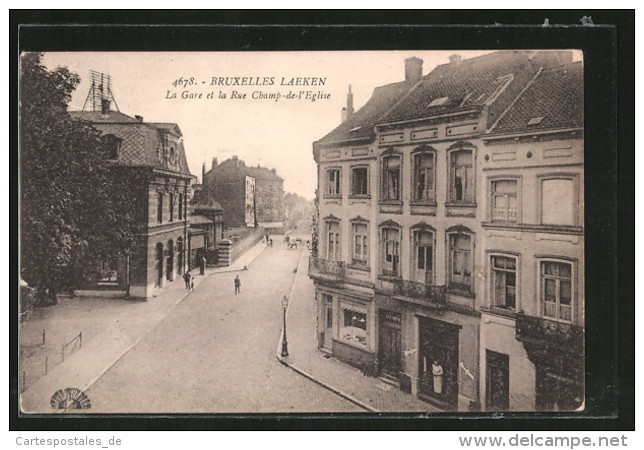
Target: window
pixel 424 177
pixel 171 206
pixel 180 206
pixel 360 244
pixel 391 178
pixel 360 181
pixel 113 147
pixel 423 256
pixel 504 200
pixel 354 327
pixel 558 205
pixel 460 274
pixel 160 207
pixel 333 241
pixel 504 279
pixel 333 182
pixel 461 176
pixel 109 271
pixel 556 289
pixel 391 252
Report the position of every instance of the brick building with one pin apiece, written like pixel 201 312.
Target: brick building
pixel 156 152
pixel 408 238
pixel 226 183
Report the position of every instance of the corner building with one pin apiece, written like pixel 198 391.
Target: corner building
pixel 402 270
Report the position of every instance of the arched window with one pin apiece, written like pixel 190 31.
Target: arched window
pixel 461 259
pixel 390 249
pixel 424 183
pixel 391 177
pixel 461 175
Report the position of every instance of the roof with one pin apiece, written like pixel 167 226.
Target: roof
pixel 360 124
pixel 468 84
pixel 554 100
pixel 207 204
pixel 199 220
pixel 141 142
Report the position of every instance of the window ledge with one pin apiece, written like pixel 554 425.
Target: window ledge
pixel 387 277
pixel 357 266
pixel 332 196
pixel 499 311
pixel 359 196
pixel 391 202
pixel 461 204
pixel 514 226
pixel 422 203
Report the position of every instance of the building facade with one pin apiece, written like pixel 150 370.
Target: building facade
pixel 155 151
pixel 227 183
pixel 404 247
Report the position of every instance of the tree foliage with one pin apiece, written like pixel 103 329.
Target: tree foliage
pixel 75 208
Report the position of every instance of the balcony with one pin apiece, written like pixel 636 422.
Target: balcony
pixel 420 293
pixel 550 334
pixel 325 270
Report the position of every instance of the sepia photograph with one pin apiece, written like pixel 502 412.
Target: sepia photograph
pixel 301 232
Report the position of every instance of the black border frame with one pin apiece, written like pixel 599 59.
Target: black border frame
pixel 609 180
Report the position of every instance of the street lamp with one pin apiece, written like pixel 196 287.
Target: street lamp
pixel 284 343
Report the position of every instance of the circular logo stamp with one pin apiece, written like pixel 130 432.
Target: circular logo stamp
pixel 70 398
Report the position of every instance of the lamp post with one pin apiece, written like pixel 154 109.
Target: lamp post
pixel 284 342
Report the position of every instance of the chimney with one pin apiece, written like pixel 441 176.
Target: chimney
pixel 105 106
pixel 273 170
pixel 203 173
pixel 413 69
pixel 455 59
pixel 347 111
pixel 139 118
pixel 214 163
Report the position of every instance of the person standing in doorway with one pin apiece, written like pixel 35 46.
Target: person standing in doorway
pixel 237 285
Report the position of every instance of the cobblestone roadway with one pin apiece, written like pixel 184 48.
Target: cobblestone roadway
pixel 215 352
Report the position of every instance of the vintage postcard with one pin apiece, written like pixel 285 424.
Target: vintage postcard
pixel 302 232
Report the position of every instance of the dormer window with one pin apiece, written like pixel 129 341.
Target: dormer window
pixel 113 147
pixel 438 101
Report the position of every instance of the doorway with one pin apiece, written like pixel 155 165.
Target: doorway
pixel 389 344
pixel 438 360
pixel 159 261
pixel 497 392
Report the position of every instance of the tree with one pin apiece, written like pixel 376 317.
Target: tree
pixel 74 207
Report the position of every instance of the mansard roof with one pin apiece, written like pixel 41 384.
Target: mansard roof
pixel 141 142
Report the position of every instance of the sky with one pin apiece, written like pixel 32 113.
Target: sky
pixel 274 134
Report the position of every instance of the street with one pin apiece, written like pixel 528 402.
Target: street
pixel 215 352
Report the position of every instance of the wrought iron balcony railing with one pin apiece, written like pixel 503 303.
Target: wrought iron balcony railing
pixel 420 291
pixel 327 269
pixel 560 335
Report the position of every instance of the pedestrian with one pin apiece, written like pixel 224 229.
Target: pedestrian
pixel 237 285
pixel 192 283
pixel 186 279
pixel 203 266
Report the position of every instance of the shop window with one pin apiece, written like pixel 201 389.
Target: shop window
pixel 504 278
pixel 360 244
pixel 424 177
pixel 461 262
pixel 391 178
pixel 333 241
pixel 558 203
pixel 504 200
pixel 353 327
pixel 556 290
pixel 333 182
pixel 461 164
pixel 359 181
pixel 390 252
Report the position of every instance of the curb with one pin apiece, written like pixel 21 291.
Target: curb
pixel 305 374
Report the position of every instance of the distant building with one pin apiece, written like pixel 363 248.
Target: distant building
pixel 235 185
pixel 450 233
pixel 156 151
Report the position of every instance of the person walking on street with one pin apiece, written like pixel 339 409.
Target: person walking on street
pixel 192 283
pixel 186 279
pixel 237 285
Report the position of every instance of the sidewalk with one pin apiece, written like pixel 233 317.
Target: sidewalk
pixel 110 328
pixel 370 393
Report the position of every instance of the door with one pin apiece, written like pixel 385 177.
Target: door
pixel 438 360
pixel 497 381
pixel 159 258
pixel 328 317
pixel 389 344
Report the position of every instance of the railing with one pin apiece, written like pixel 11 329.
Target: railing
pixel 326 268
pixel 413 289
pixel 565 336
